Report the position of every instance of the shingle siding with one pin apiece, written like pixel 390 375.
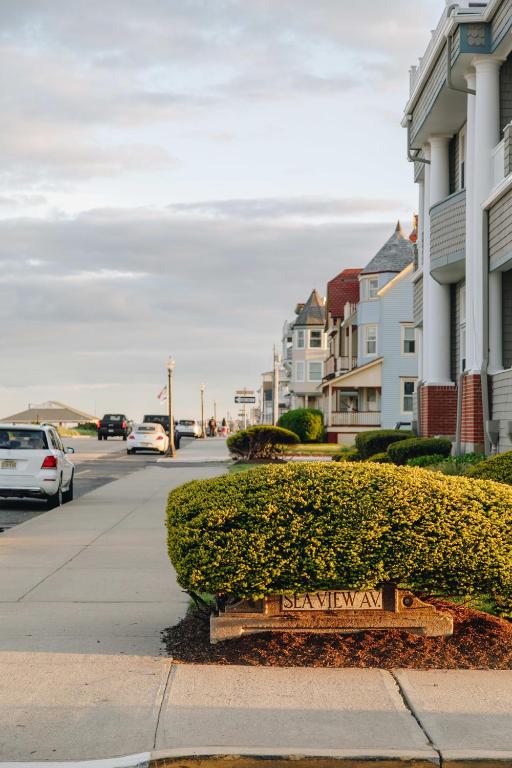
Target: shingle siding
pixel 507 318
pixel 418 302
pixel 429 93
pixel 502 406
pixel 506 93
pixel 448 227
pixel 500 230
pixel 501 21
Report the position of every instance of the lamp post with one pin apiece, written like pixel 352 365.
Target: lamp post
pixel 171 451
pixel 203 387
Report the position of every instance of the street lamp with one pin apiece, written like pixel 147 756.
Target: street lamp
pixel 203 387
pixel 171 451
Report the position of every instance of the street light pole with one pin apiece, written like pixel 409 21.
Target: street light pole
pixel 171 451
pixel 203 387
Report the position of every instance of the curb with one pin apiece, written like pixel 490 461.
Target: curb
pixel 139 760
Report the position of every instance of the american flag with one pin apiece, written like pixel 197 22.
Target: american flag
pixel 162 394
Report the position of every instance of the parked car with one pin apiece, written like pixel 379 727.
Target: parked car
pixel 34 464
pixel 189 428
pixel 158 418
pixel 148 437
pixel 114 425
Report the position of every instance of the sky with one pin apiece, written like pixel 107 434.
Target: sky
pixel 177 174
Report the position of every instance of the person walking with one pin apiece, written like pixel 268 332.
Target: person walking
pixel 224 428
pixel 212 427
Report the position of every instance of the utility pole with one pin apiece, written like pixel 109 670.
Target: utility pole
pixel 203 387
pixel 171 451
pixel 275 389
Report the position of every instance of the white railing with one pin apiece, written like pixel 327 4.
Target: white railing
pixel 355 419
pixel 498 163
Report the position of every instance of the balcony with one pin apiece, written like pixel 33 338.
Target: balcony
pixel 448 239
pixel 334 366
pixel 355 419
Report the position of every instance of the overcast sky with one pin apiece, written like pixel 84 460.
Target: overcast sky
pixel 177 174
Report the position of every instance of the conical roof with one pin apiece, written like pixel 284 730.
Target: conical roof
pixel 313 311
pixel 394 255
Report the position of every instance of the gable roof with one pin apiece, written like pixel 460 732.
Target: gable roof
pixel 51 412
pixel 313 311
pixel 394 255
pixel 342 289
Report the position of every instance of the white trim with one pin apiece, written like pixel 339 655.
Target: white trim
pixel 498 192
pixel 403 326
pixel 365 340
pixel 315 362
pixel 297 364
pixel 303 331
pixel 407 380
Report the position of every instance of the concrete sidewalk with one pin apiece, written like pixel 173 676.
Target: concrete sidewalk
pixel 210 450
pixel 85 591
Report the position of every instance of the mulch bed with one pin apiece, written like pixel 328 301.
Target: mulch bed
pixel 480 641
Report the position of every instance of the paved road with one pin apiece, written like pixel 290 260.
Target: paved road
pixel 97 463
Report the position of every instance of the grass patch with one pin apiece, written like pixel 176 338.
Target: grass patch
pixel 314 449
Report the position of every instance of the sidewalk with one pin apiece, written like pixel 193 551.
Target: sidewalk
pixel 85 591
pixel 210 450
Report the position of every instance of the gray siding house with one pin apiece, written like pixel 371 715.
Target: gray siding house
pixel 459 132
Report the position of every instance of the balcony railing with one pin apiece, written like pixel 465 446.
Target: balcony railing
pixel 334 366
pixel 356 419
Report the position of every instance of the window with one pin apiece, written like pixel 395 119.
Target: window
pixel 408 340
pixel 370 340
pixel 301 339
pixel 314 371
pixel 373 287
pixel 408 389
pixel 315 339
pixel 372 400
pixel 299 371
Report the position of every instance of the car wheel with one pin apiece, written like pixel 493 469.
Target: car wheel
pixel 129 451
pixel 56 500
pixel 68 495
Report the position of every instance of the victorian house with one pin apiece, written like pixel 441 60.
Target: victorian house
pixel 458 121
pixel 305 351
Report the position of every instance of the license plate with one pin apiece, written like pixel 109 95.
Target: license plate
pixel 146 444
pixel 8 464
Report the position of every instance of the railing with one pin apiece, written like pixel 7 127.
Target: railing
pixel 355 419
pixel 448 229
pixel 336 365
pixel 498 163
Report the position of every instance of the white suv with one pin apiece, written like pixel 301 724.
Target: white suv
pixel 34 464
pixel 188 428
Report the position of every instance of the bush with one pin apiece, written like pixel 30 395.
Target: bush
pixel 347 456
pixel 378 440
pixel 261 442
pixel 307 423
pixel 301 527
pixel 498 468
pixel 426 461
pixel 380 458
pixel 399 453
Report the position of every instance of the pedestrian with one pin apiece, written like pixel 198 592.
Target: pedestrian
pixel 224 428
pixel 212 427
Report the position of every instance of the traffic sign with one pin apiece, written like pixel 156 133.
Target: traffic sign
pixel 244 392
pixel 244 399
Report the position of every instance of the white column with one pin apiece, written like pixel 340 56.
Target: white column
pixel 472 355
pixel 437 329
pixel 421 207
pixel 486 137
pixel 329 406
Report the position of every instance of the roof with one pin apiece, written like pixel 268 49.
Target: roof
pixel 394 255
pixel 313 311
pixel 342 289
pixel 52 411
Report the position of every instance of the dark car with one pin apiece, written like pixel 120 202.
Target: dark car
pixel 114 425
pixel 158 418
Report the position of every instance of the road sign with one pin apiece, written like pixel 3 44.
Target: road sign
pixel 245 399
pixel 244 392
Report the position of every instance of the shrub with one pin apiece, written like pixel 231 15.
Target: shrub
pixel 426 461
pixel 380 458
pixel 347 456
pixel 261 442
pixel 399 453
pixel 498 468
pixel 307 423
pixel 300 527
pixel 378 440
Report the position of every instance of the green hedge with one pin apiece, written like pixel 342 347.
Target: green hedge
pixel 498 468
pixel 260 442
pixel 307 423
pixel 293 528
pixel 380 458
pixel 347 456
pixel 378 440
pixel 428 460
pixel 400 453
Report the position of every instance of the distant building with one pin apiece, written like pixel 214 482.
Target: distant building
pixel 306 353
pixel 373 385
pixel 51 412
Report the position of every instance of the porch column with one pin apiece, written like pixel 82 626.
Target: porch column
pixel 495 323
pixel 329 406
pixel 437 332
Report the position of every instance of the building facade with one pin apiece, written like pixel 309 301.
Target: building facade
pixel 458 121
pixel 376 389
pixel 305 353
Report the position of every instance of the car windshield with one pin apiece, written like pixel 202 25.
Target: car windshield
pixel 147 428
pixel 23 439
pixel 187 422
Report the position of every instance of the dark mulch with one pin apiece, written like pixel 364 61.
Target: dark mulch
pixel 480 641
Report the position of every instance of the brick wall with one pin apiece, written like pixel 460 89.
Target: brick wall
pixel 438 411
pixel 472 426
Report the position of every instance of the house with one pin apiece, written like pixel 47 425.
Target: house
pixel 459 132
pixel 306 351
pixel 51 412
pixel 377 388
pixel 342 290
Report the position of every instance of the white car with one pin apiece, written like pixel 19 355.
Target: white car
pixel 188 428
pixel 34 464
pixel 148 437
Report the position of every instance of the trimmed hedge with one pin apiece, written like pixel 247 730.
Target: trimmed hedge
pixel 426 461
pixel 400 453
pixel 294 528
pixel 260 442
pixel 347 456
pixel 307 423
pixel 498 468
pixel 380 458
pixel 378 440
